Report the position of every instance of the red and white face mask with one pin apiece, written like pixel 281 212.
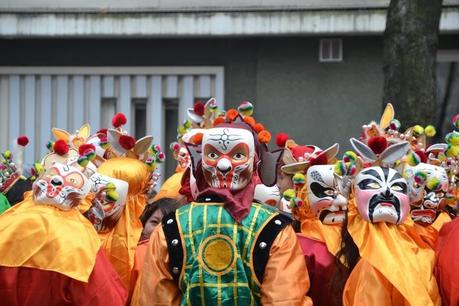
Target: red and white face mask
pixel 228 157
pixel 61 185
pixel 382 195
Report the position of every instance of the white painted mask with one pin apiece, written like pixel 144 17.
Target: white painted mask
pixel 326 194
pixel 228 157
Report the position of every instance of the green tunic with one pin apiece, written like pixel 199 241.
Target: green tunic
pixel 4 204
pixel 218 267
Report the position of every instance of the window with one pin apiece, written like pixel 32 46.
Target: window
pixel 331 50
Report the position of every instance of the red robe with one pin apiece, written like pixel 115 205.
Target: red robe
pixel 34 287
pixel 447 266
pixel 321 266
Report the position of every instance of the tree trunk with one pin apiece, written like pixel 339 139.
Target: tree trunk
pixel 410 47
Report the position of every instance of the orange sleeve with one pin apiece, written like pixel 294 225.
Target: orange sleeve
pixel 286 279
pixel 367 286
pixel 157 286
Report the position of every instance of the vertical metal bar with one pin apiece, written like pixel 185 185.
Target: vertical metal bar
pixel 45 114
pixel 124 102
pixel 186 97
pixel 4 105
pixel 78 102
pixel 29 117
pixel 14 110
pixel 61 114
pixel 155 116
pixel 94 103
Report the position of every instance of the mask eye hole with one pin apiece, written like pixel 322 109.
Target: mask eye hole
pixel 329 192
pixel 212 155
pixel 75 180
pixel 238 156
pixel 373 185
pixel 398 187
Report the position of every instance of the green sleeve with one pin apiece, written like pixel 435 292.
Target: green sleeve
pixel 4 204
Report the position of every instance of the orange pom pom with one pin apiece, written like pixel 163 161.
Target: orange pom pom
pixel 264 136
pixel 219 120
pixel 249 120
pixel 197 139
pixel 231 114
pixel 258 127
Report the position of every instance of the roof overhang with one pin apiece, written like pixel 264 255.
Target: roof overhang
pixel 205 24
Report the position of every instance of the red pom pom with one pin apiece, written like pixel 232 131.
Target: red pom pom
pixel 422 156
pixel 22 140
pixel 127 142
pixel 61 147
pixel 198 109
pixel 118 120
pixel 281 139
pixel 102 131
pixel 321 159
pixel 86 148
pixel 378 144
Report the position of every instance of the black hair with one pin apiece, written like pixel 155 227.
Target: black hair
pixel 166 205
pixel 16 192
pixel 345 261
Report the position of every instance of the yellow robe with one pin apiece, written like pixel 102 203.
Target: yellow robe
pixel 39 232
pixel 396 265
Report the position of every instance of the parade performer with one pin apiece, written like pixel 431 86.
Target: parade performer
pixel 150 218
pixel 318 200
pixel 51 254
pixel 13 183
pixel 447 246
pixel 119 226
pixel 389 263
pixel 223 248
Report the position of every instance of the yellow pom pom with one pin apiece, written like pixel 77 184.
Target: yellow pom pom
pixel 289 194
pixel 452 151
pixel 418 130
pixel 430 131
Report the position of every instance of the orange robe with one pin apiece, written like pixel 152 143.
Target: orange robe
pixel 396 265
pixel 134 289
pixel 120 242
pixel 285 282
pixel 53 257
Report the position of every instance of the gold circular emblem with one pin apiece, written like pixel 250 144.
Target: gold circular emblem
pixel 217 254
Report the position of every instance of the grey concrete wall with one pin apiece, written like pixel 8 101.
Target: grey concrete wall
pixel 319 103
pixel 316 103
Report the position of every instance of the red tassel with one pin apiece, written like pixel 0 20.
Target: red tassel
pixel 127 142
pixel 378 144
pixel 22 140
pixel 281 139
pixel 118 120
pixel 198 109
pixel 61 147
